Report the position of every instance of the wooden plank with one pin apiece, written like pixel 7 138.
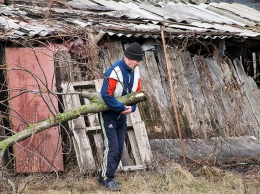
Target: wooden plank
pixel 92 118
pixel 158 105
pixel 200 105
pixel 205 80
pixel 41 152
pixel 169 119
pixel 221 98
pixel 99 145
pixel 188 115
pixel 134 147
pixel 161 107
pixel 155 77
pixel 129 168
pixel 71 101
pixel 98 84
pixel 93 128
pixel 232 96
pixel 132 168
pixel 252 95
pixel 119 167
pixel 143 143
pixel 82 146
pixel 77 150
pixel 141 139
pixel 238 117
pixel 220 73
pixel 126 160
pixel 84 83
pixel 128 121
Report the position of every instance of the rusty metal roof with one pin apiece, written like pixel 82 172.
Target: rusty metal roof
pixel 130 18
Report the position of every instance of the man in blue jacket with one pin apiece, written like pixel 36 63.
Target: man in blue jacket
pixel 121 78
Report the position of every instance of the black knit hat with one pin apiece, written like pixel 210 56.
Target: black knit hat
pixel 134 52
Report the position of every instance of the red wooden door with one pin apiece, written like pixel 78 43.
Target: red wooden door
pixel 33 69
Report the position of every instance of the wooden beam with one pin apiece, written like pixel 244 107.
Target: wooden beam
pixel 216 150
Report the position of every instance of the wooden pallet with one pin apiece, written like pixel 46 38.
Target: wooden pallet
pixel 80 139
pixel 137 152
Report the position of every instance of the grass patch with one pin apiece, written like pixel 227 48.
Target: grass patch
pixel 166 177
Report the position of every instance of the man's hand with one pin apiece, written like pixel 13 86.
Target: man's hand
pixel 127 111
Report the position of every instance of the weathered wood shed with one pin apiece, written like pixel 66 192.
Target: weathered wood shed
pixel 212 50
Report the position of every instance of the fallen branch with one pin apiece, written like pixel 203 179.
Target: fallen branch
pixel 96 105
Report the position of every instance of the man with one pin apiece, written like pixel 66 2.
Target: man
pixel 121 78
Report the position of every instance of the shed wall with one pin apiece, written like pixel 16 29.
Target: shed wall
pixel 33 69
pixel 212 99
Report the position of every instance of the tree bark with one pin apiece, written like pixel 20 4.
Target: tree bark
pixel 96 105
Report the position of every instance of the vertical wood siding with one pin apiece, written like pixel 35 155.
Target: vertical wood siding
pixel 214 97
pixel 41 152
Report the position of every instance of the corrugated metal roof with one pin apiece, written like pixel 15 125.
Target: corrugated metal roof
pixel 128 18
pixel 240 10
pixel 255 4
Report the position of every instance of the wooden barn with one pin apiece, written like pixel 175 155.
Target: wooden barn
pixel 200 75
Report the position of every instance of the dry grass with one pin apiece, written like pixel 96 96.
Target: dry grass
pixel 166 177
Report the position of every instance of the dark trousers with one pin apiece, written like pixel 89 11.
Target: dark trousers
pixel 113 127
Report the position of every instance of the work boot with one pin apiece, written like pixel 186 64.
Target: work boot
pixel 110 185
pixel 100 180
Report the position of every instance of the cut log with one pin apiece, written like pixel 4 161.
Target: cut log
pixel 217 150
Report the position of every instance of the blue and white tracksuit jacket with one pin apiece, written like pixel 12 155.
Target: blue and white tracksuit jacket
pixel 119 81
